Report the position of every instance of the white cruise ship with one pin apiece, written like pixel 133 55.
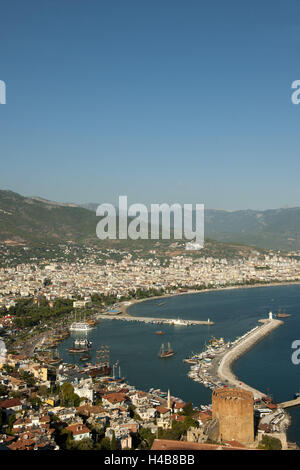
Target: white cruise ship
pixel 80 326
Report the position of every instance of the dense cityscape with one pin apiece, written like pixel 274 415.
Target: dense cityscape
pixel 85 277
pixel 53 405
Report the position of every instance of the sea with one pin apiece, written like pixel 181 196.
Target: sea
pixel 268 366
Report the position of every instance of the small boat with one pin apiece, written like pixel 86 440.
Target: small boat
pixel 54 361
pixel 85 357
pixel 159 332
pixel 53 358
pixel 80 346
pixel 92 322
pixel 190 360
pixel 166 352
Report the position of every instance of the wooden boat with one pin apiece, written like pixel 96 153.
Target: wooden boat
pixel 166 352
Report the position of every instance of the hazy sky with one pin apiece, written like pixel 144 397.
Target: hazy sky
pixel 162 100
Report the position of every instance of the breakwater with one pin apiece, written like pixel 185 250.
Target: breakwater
pixel 247 342
pixel 155 320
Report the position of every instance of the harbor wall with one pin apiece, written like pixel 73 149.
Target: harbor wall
pixel 225 371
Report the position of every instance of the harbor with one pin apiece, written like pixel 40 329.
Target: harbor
pixel 257 368
pixel 212 367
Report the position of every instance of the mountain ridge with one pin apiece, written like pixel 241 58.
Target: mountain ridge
pixel 35 219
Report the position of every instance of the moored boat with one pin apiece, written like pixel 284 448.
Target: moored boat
pixel 80 346
pixel 166 351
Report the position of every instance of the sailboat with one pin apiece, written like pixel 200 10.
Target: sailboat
pixel 166 351
pixel 54 358
pixel 82 326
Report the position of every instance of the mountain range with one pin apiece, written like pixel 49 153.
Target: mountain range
pixel 272 229
pixel 34 219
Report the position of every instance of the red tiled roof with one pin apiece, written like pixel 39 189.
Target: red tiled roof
pixel 115 397
pixel 77 429
pixel 271 406
pixel 235 443
pixel 162 409
pixel 45 419
pixel 178 405
pixel 175 417
pixel 203 415
pixel 11 403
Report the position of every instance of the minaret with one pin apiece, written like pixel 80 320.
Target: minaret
pixel 169 400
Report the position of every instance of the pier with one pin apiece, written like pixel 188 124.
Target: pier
pixel 224 370
pixel 290 403
pixel 167 321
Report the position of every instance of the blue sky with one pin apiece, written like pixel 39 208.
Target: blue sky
pixel 163 101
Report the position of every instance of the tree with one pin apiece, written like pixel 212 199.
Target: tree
pixel 113 443
pixel 3 390
pixel 190 422
pixel 12 418
pixel 68 397
pixel 44 391
pixel 105 444
pixel 188 409
pixel 83 444
pixel 146 438
pixel 63 438
pixel 35 402
pixel 270 443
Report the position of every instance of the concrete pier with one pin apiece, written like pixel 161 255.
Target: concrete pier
pixel 290 403
pixel 224 370
pixel 169 321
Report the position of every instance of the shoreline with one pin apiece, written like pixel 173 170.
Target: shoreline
pixel 126 305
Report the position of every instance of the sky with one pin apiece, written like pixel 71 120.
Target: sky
pixel 162 101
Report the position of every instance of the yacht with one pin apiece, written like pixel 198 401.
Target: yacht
pixel 80 326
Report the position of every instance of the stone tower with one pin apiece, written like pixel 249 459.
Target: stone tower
pixel 233 408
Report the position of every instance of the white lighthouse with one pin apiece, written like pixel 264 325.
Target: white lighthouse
pixel 270 316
